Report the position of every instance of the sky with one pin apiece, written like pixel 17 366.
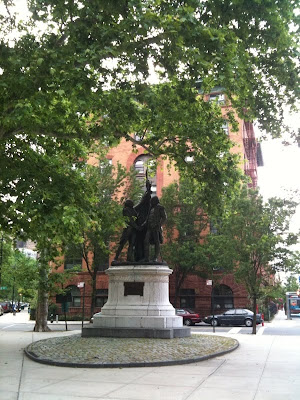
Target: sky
pixel 281 173
pixel 281 170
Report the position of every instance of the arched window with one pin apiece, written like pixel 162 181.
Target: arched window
pixel 222 298
pixel 75 293
pixel 141 164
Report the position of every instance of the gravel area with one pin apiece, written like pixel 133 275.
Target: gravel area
pixel 76 351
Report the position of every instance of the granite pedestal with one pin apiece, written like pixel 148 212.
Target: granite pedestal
pixel 138 305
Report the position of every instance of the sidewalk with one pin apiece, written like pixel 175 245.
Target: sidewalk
pixel 262 368
pixel 23 317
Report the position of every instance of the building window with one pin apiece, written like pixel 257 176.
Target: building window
pixel 225 127
pixel 105 165
pixel 222 298
pixel 213 228
pixel 141 165
pixel 218 97
pixel 189 159
pixel 73 256
pixel 101 297
pixel 75 293
pixel 187 298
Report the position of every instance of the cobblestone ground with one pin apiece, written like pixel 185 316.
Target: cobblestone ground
pixel 75 350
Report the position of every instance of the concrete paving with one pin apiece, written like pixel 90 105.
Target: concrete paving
pixel 264 367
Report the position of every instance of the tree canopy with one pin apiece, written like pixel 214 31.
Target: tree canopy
pixel 107 69
pixel 91 60
pixel 188 247
pixel 254 239
pixel 18 273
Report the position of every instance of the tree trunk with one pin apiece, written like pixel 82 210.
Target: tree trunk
pixel 93 298
pixel 42 303
pixel 254 316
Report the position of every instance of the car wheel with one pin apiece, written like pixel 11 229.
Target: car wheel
pixel 187 322
pixel 214 322
pixel 248 322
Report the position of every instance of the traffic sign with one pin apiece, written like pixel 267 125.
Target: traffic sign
pixel 3 287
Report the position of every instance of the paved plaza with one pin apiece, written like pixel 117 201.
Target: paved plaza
pixel 263 367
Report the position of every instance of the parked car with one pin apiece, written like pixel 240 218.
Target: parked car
pixel 1 310
pixel 235 316
pixel 189 317
pixel 6 305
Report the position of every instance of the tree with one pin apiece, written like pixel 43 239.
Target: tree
pixel 81 71
pixel 188 247
pixel 18 272
pixel 257 241
pixel 43 197
pixel 291 285
pixel 85 70
pixel 107 186
pixel 68 54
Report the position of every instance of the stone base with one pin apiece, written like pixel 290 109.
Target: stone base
pixel 137 322
pixel 138 305
pixel 91 331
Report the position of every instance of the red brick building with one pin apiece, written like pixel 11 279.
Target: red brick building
pixel 194 293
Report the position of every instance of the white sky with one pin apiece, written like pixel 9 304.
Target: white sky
pixel 281 169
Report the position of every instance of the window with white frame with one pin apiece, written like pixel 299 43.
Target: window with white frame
pixel 225 127
pixel 218 97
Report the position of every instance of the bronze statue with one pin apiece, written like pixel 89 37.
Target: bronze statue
pixel 144 228
pixel 157 217
pixel 135 231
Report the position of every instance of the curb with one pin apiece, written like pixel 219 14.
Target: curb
pixel 36 358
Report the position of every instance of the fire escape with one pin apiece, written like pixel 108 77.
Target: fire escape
pixel 250 153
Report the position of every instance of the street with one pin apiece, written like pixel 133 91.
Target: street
pixel 283 327
pixel 20 322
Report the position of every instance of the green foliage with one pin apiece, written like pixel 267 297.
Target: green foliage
pixel 106 187
pixel 58 77
pixel 78 72
pixel 291 285
pixel 82 71
pixel 187 248
pixel 256 240
pixel 19 273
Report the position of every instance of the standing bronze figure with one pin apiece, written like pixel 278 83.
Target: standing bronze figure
pixel 157 217
pixel 135 231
